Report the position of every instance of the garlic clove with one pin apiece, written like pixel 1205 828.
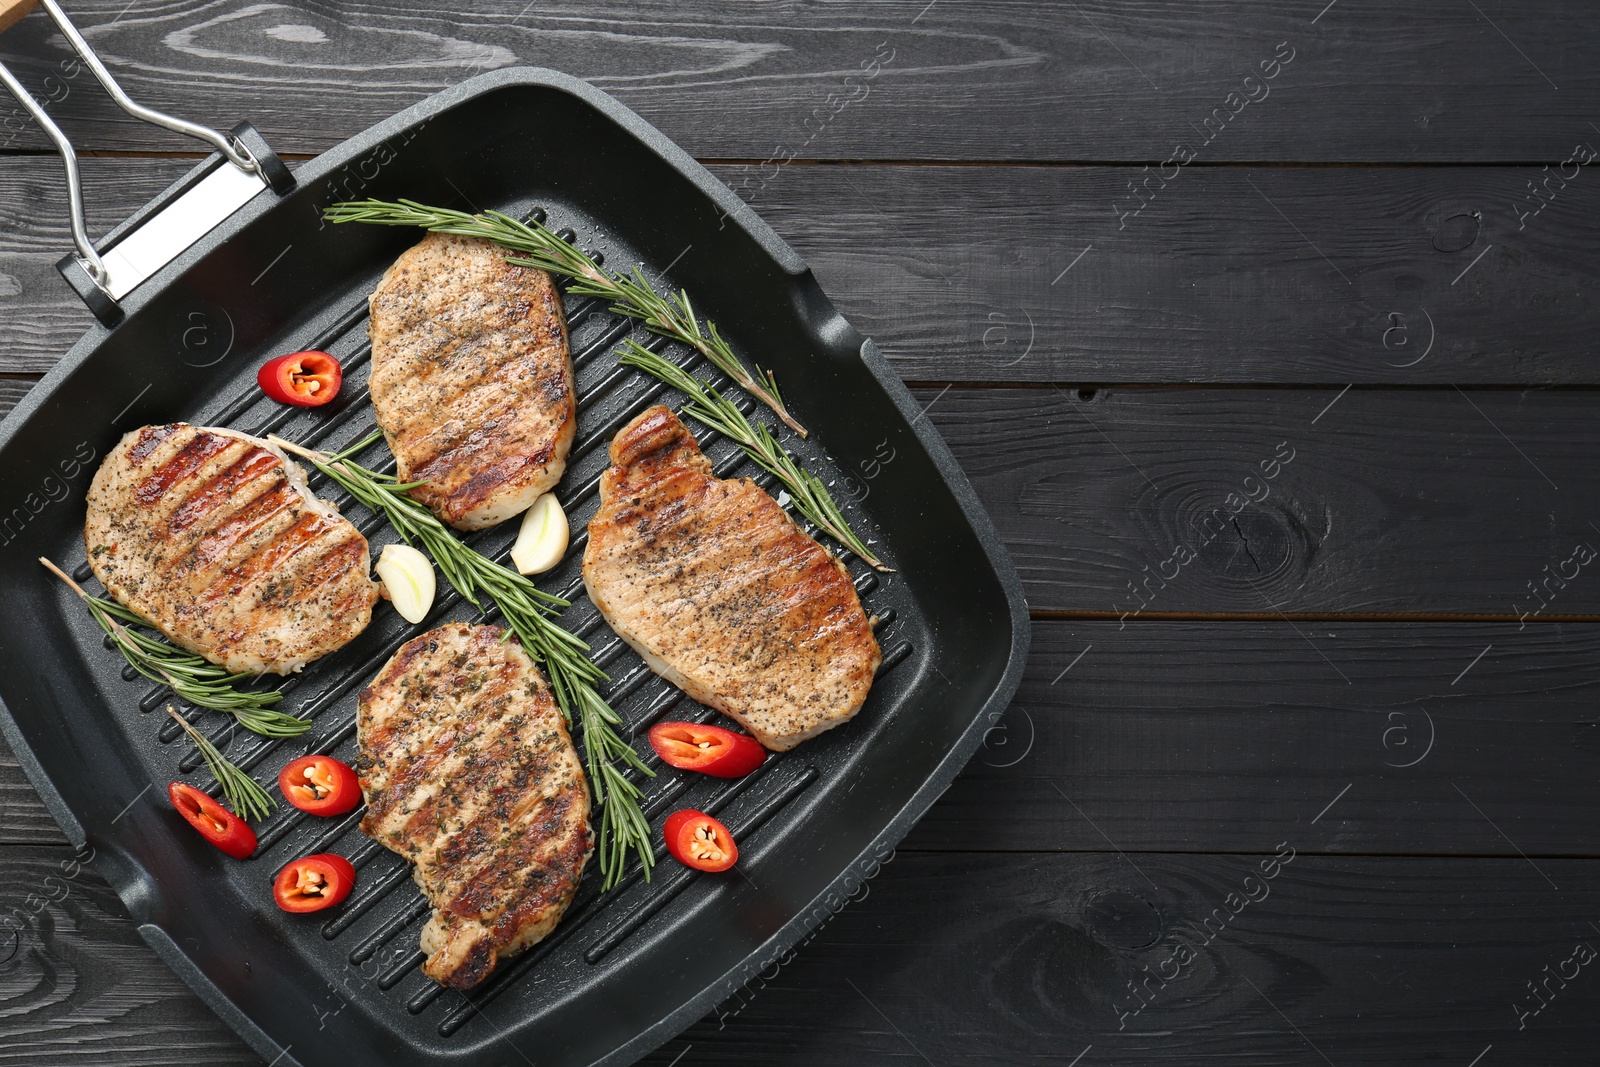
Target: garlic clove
pixel 542 541
pixel 407 577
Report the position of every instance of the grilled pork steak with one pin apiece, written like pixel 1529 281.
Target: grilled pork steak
pixel 468 773
pixel 472 380
pixel 721 593
pixel 213 536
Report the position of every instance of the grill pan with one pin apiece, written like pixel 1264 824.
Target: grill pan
pixel 625 971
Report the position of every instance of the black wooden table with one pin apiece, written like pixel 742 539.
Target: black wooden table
pixel 1267 334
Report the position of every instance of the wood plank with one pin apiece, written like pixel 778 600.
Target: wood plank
pixel 1246 275
pixel 79 984
pixel 1010 959
pixel 981 274
pixel 24 820
pixel 1390 500
pixel 12 390
pixel 1465 738
pixel 1002 959
pixel 1101 80
pixel 40 318
pixel 1202 735
pixel 1378 471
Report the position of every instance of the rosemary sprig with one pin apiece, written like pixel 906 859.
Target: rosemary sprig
pixel 190 677
pixel 710 407
pixel 529 612
pixel 630 294
pixel 244 795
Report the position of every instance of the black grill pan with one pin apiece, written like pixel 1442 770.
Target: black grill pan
pixel 625 971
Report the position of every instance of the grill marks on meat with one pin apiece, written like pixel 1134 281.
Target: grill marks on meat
pixel 472 379
pixel 721 593
pixel 213 536
pixel 469 773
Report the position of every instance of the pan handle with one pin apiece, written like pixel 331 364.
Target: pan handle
pixel 80 236
pixel 242 148
pixel 236 152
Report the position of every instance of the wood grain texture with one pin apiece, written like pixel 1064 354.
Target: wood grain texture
pixel 1464 738
pixel 1437 500
pixel 1392 501
pixel 1000 959
pixel 24 820
pixel 974 274
pixel 40 318
pixel 1014 959
pixel 78 983
pixel 1026 79
pixel 1414 738
pixel 1246 275
pixel 1433 777
pixel 12 390
pixel 13 10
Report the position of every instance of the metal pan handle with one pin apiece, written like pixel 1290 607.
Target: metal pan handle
pixel 242 148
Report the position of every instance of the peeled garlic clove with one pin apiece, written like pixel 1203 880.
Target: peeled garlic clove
pixel 542 541
pixel 407 577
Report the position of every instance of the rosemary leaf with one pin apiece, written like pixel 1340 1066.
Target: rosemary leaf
pixel 245 797
pixel 711 408
pixel 190 677
pixel 630 293
pixel 529 613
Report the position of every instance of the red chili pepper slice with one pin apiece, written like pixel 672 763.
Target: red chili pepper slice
pixel 314 883
pixel 320 785
pixel 304 379
pixel 691 746
pixel 216 823
pixel 699 841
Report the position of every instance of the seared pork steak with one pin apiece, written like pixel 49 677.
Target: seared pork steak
pixel 212 536
pixel 468 772
pixel 472 379
pixel 721 593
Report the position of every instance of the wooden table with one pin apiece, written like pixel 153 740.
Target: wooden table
pixel 1267 334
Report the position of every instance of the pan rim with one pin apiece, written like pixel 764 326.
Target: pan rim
pixel 736 210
